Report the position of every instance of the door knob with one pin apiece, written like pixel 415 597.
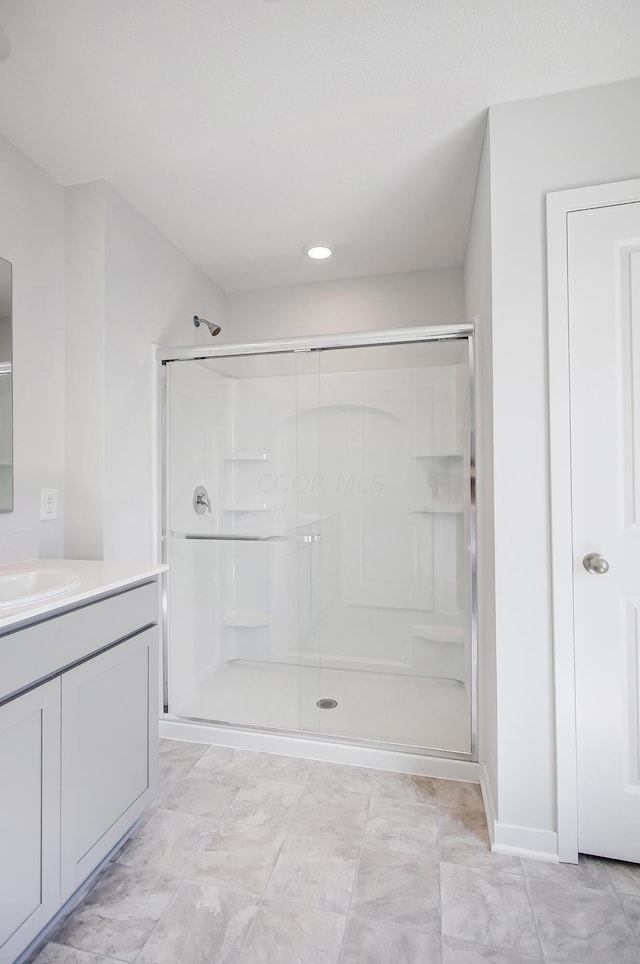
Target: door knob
pixel 596 564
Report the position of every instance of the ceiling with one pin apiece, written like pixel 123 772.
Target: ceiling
pixel 244 129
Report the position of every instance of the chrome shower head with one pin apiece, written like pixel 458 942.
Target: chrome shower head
pixel 214 329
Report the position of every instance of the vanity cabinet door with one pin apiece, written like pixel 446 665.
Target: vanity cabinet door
pixel 109 751
pixel 29 816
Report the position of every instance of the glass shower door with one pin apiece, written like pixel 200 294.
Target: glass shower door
pixel 323 582
pixel 392 540
pixel 233 643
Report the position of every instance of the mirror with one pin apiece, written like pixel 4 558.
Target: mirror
pixel 6 390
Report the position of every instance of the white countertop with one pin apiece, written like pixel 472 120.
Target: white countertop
pixel 96 579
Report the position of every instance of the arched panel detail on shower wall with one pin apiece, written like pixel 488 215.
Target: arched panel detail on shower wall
pixel 329 589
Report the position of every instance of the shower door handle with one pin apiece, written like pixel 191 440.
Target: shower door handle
pixel 309 538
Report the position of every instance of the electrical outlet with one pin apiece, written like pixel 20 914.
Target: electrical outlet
pixel 48 503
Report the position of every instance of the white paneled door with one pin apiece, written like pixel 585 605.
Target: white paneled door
pixel 604 346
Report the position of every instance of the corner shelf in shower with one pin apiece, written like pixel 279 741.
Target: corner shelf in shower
pixel 440 633
pixel 438 454
pixel 441 507
pixel 246 620
pixel 247 457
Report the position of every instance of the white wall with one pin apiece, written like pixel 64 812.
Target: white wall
pixel 477 276
pixel 356 304
pixel 84 384
pixel 143 291
pixel 550 143
pixel 152 293
pixel 32 239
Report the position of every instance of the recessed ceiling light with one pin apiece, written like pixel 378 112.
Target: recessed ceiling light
pixel 319 251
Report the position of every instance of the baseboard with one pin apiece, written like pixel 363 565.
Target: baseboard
pixel 526 842
pixel 441 768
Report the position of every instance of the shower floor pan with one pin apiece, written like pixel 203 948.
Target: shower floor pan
pixel 411 711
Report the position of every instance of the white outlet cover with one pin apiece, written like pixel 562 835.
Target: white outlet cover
pixel 48 503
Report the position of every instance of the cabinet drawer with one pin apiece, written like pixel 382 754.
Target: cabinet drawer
pixel 36 652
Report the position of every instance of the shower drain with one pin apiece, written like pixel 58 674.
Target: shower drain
pixel 327 704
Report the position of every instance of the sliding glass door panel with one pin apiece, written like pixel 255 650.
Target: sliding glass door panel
pixel 233 584
pixel 394 564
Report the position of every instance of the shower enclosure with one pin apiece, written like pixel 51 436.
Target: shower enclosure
pixel 319 528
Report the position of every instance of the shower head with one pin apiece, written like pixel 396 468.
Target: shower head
pixel 214 329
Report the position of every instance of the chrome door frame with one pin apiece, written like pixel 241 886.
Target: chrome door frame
pixel 392 336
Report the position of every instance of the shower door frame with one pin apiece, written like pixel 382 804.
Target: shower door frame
pixel 394 336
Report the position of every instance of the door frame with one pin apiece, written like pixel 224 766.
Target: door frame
pixel 559 204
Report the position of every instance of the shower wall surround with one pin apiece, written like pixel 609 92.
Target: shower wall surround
pixel 336 561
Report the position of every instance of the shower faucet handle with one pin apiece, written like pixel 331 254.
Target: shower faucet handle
pixel 201 501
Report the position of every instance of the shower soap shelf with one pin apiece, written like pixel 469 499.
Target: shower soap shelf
pixel 246 620
pixel 247 457
pixel 439 507
pixel 440 634
pixel 438 454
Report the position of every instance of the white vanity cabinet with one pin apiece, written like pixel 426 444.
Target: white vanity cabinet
pixel 78 750
pixel 29 816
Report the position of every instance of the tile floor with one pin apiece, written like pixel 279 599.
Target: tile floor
pixel 255 858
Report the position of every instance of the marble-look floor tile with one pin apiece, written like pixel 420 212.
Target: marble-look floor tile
pixel 460 952
pixel 203 794
pixel 181 753
pixel 206 924
pixel 588 872
pixel 263 802
pixel 356 779
pixel 330 810
pixel 582 926
pixel 169 775
pixel 318 871
pixel 288 934
pixel 224 759
pixel 456 795
pixel 167 843
pixel 410 828
pixel 404 786
pixel 118 914
pixel 59 954
pixel 240 855
pixel 464 839
pixel 370 942
pixel 486 907
pixel 631 907
pixel 397 888
pixel 625 877
pixel 288 768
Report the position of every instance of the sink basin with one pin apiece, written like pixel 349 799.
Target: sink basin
pixel 20 588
